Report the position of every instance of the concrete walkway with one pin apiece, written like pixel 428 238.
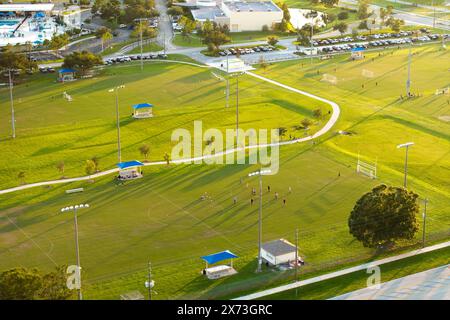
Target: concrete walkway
pixel 333 119
pixel 339 273
pixel 432 284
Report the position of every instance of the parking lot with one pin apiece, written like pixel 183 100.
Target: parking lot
pixel 128 58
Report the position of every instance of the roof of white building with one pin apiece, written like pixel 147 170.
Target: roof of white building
pixel 251 6
pixel 26 7
pixel 278 247
pixel 207 13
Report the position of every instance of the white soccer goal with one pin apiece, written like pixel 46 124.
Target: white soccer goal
pixel 67 96
pixel 329 78
pixel 445 91
pixel 367 73
pixel 367 169
pixel 217 76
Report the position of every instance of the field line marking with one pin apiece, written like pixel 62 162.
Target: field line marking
pixel 339 273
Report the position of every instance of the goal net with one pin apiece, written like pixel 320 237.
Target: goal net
pixel 67 96
pixel 367 169
pixel 444 91
pixel 367 73
pixel 329 78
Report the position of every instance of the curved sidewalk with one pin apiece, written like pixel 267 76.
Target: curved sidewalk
pixel 333 119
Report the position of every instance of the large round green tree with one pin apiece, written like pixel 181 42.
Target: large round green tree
pixel 384 215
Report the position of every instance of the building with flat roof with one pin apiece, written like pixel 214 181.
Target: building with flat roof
pixel 279 252
pixel 237 15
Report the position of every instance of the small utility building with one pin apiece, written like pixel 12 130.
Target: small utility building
pixel 279 252
pixel 130 170
pixel 357 53
pixel 219 271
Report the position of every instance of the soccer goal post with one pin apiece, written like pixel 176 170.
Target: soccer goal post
pixel 367 169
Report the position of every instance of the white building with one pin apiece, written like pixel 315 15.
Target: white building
pixel 278 252
pixel 239 15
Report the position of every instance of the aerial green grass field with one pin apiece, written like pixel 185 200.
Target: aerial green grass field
pixel 51 129
pixel 161 217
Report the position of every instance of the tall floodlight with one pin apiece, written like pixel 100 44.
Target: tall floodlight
pixel 77 248
pixel 13 121
pixel 260 173
pixel 140 42
pixel 408 81
pixel 424 216
pixel 228 83
pixel 116 90
pixel 406 146
pixel 312 14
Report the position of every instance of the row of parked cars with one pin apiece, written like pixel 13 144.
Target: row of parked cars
pixel 378 43
pixel 376 36
pixel 235 51
pixel 47 70
pixel 122 59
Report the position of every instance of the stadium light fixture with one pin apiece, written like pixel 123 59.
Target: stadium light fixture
pixel 75 208
pixel 260 173
pixel 116 90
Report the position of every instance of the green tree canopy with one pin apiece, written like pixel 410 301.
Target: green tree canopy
pixel 82 61
pixel 384 215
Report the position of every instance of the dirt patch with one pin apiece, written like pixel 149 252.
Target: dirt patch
pixel 444 118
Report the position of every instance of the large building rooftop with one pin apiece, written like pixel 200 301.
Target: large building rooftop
pixel 26 7
pixel 252 6
pixel 207 13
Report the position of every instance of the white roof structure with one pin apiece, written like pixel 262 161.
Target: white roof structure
pixel 26 7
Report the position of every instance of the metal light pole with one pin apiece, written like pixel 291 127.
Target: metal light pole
pixel 13 121
pixel 77 250
pixel 406 146
pixel 296 258
pixel 237 111
pixel 116 90
pixel 408 81
pixel 228 85
pixel 424 215
pixel 142 61
pixel 312 14
pixel 149 283
pixel 260 173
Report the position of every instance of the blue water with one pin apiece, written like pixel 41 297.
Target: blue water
pixel 8 22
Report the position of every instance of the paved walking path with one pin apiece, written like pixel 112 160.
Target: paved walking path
pixel 433 284
pixel 334 117
pixel 339 273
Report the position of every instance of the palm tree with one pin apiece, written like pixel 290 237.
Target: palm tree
pixel 167 158
pixel 21 177
pixel 144 150
pixel 105 38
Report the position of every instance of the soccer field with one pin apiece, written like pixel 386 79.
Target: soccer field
pixel 161 217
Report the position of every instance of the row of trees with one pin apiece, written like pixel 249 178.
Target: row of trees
pixel 112 10
pixel 10 59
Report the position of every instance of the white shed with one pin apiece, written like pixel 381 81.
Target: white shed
pixel 278 252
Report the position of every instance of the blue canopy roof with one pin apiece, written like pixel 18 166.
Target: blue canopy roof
pixel 219 256
pixel 142 105
pixel 39 14
pixel 128 164
pixel 358 49
pixel 66 71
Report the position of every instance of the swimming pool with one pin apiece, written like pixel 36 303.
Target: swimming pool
pixel 8 23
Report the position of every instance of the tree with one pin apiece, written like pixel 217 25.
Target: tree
pixel 384 215
pixel 21 177
pixel 282 131
pixel 60 166
pixel 20 284
pixel 396 24
pixel 53 285
pixel 363 9
pixel 306 123
pixel 341 27
pixel 363 25
pixel 9 59
pixel 96 161
pixel 263 63
pixel 30 284
pixel 214 35
pixel 343 15
pixel 104 34
pixel 167 158
pixel 90 167
pixel 175 11
pixel 329 3
pixel 188 26
pixel 83 61
pixel 144 150
pixel 59 41
pixel 272 40
pixel 317 113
